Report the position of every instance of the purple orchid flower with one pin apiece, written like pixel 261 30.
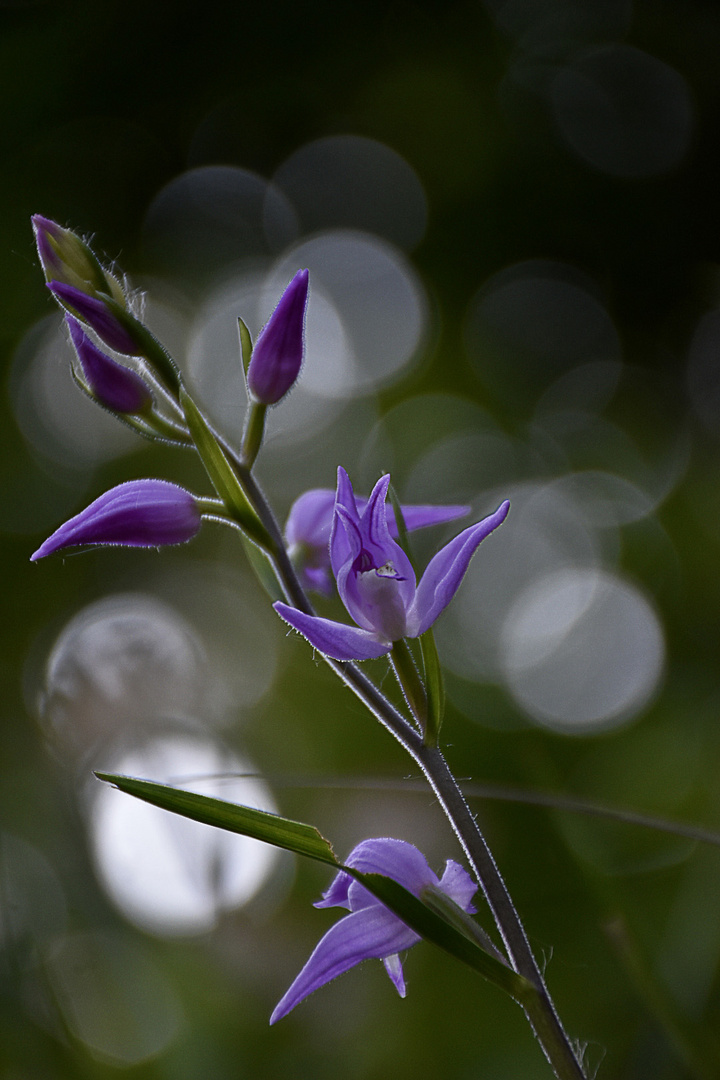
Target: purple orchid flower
pixel 309 523
pixel 113 385
pixel 372 931
pixel 96 313
pixel 376 580
pixel 139 513
pixel 278 352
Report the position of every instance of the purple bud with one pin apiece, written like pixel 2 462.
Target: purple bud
pixel 278 353
pixel 65 257
pixel 96 313
pixel 140 513
pixel 114 386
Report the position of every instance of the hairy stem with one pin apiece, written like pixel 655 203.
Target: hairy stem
pixel 539 1008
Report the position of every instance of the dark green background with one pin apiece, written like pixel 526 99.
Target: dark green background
pixel 101 104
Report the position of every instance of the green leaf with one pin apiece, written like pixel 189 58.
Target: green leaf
pixel 263 569
pixel 246 345
pixel 260 824
pixel 433 927
pixel 305 840
pixel 222 474
pixel 434 687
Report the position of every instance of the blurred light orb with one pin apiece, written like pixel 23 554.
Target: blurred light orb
pixel 530 324
pixel 124 660
pixel 32 901
pixel 582 651
pixel 113 997
pixel 167 874
pixel 624 112
pixel 348 181
pixel 365 323
pixel 414 428
pixel 546 532
pixel 213 217
pixel 454 469
pixel 542 26
pixel 605 499
pixel 56 418
pixel 236 628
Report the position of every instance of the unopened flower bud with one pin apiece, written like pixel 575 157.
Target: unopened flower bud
pixel 140 513
pixel 114 386
pixel 278 352
pixel 98 316
pixel 67 259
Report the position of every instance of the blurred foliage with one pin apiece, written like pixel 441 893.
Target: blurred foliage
pixel 102 105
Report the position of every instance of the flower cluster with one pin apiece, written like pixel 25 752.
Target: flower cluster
pixel 328 535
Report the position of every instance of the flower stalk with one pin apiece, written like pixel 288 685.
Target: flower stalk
pixel 538 1007
pixel 375 578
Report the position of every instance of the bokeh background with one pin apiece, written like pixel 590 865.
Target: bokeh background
pixel 510 214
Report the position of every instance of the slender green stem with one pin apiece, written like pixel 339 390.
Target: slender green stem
pixel 538 1007
pixel 253 433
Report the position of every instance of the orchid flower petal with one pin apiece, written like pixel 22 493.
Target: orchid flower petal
pixel 459 886
pixel 339 543
pixel 333 639
pixel 422 517
pixel 393 858
pixel 310 519
pixel 446 570
pixel 336 895
pixel 373 933
pixel 376 582
pixel 394 968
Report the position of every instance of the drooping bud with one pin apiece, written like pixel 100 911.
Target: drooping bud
pixel 114 386
pixel 278 353
pixel 98 315
pixel 139 513
pixel 67 259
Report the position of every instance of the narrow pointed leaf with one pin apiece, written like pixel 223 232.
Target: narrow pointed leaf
pixel 263 569
pixel 245 346
pixel 222 474
pixel 260 824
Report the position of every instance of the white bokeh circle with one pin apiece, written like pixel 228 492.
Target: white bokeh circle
pixel 582 650
pixel 167 874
